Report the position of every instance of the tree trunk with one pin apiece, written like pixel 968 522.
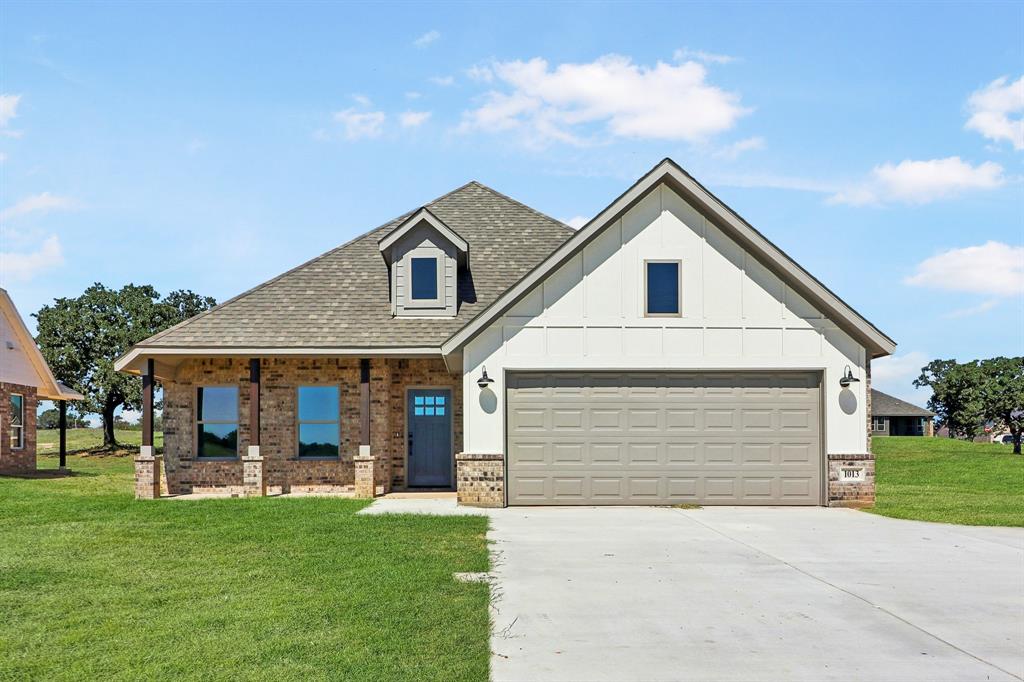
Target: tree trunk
pixel 1016 443
pixel 109 440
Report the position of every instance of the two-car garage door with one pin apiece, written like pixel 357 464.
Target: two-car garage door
pixel 664 438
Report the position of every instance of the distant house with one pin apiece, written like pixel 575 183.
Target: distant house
pixel 25 378
pixel 891 416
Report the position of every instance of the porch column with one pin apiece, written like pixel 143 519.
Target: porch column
pixel 254 468
pixel 63 426
pixel 147 464
pixel 366 475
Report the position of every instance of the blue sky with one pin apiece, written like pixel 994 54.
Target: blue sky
pixel 211 147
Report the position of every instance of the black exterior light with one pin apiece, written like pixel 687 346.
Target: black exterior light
pixel 484 380
pixel 845 381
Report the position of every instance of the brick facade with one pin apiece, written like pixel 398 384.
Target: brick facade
pixel 23 459
pixel 851 478
pixel 280 379
pixel 481 479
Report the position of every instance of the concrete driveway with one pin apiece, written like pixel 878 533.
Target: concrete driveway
pixel 753 594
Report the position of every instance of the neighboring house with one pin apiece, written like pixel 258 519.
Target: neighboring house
pixel 891 416
pixel 665 352
pixel 25 378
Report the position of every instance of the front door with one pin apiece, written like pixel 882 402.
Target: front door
pixel 430 437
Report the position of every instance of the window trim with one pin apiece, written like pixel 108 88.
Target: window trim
pixel 197 421
pixel 299 422
pixel 679 291
pixel 875 421
pixel 20 428
pixel 440 259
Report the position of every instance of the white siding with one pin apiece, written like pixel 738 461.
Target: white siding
pixel 735 315
pixel 15 365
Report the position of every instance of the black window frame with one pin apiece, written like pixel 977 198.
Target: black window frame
pixel 299 421
pixel 679 287
pixel 200 422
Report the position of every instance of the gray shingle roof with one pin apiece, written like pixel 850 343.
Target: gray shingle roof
pixel 340 299
pixel 885 405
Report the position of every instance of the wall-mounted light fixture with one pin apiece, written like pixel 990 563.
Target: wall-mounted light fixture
pixel 484 380
pixel 847 378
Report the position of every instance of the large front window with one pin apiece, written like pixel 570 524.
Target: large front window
pixel 424 279
pixel 17 421
pixel 319 434
pixel 217 421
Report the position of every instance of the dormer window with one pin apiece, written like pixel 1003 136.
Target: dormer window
pixel 424 257
pixel 424 285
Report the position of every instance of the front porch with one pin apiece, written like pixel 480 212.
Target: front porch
pixel 360 427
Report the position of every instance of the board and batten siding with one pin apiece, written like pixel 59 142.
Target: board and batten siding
pixel 736 314
pixel 424 241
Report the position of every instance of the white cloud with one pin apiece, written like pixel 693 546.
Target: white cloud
pixel 686 53
pixel 443 81
pixel 194 146
pixel 37 203
pixel 736 148
pixel 413 119
pixel 360 124
pixel 668 102
pixel 969 311
pixel 412 94
pixel 3 157
pixel 19 266
pixel 576 222
pixel 895 375
pixel 8 108
pixel 361 100
pixel 992 269
pixel 991 108
pixel 426 39
pixel 921 182
pixel 481 73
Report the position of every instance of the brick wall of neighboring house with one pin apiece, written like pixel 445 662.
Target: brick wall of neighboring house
pixel 280 379
pixel 17 460
pixel 858 490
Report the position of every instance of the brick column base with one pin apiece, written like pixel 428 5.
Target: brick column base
pixel 851 480
pixel 147 474
pixel 369 476
pixel 481 479
pixel 254 473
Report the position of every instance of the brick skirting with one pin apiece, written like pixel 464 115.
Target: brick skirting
pixel 481 479
pixel 851 480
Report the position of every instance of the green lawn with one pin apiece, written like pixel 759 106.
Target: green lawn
pixel 939 479
pixel 94 584
pixel 48 440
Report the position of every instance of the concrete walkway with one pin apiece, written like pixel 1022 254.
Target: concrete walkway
pixel 753 594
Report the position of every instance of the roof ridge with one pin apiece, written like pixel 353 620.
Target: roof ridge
pixel 531 209
pixel 325 254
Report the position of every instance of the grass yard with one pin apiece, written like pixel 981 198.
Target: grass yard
pixel 94 584
pixel 79 440
pixel 952 481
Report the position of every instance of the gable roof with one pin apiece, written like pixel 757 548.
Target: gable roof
pixel 423 215
pixel 47 386
pixel 670 173
pixel 885 405
pixel 340 299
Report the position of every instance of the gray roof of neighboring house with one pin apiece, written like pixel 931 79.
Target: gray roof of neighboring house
pixel 341 298
pixel 885 405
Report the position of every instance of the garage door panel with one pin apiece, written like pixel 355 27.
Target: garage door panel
pixel 664 437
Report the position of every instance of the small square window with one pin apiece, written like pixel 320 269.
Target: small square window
pixel 429 412
pixel 430 400
pixel 440 412
pixel 440 400
pixel 418 411
pixel 418 400
pixel 662 294
pixel 424 279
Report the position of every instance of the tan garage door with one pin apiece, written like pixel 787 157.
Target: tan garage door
pixel 664 438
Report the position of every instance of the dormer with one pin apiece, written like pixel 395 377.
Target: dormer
pixel 424 256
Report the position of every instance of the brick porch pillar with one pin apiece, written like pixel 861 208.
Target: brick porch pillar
pixel 147 464
pixel 254 468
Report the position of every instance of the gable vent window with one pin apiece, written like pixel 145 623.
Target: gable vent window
pixel 662 288
pixel 424 279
